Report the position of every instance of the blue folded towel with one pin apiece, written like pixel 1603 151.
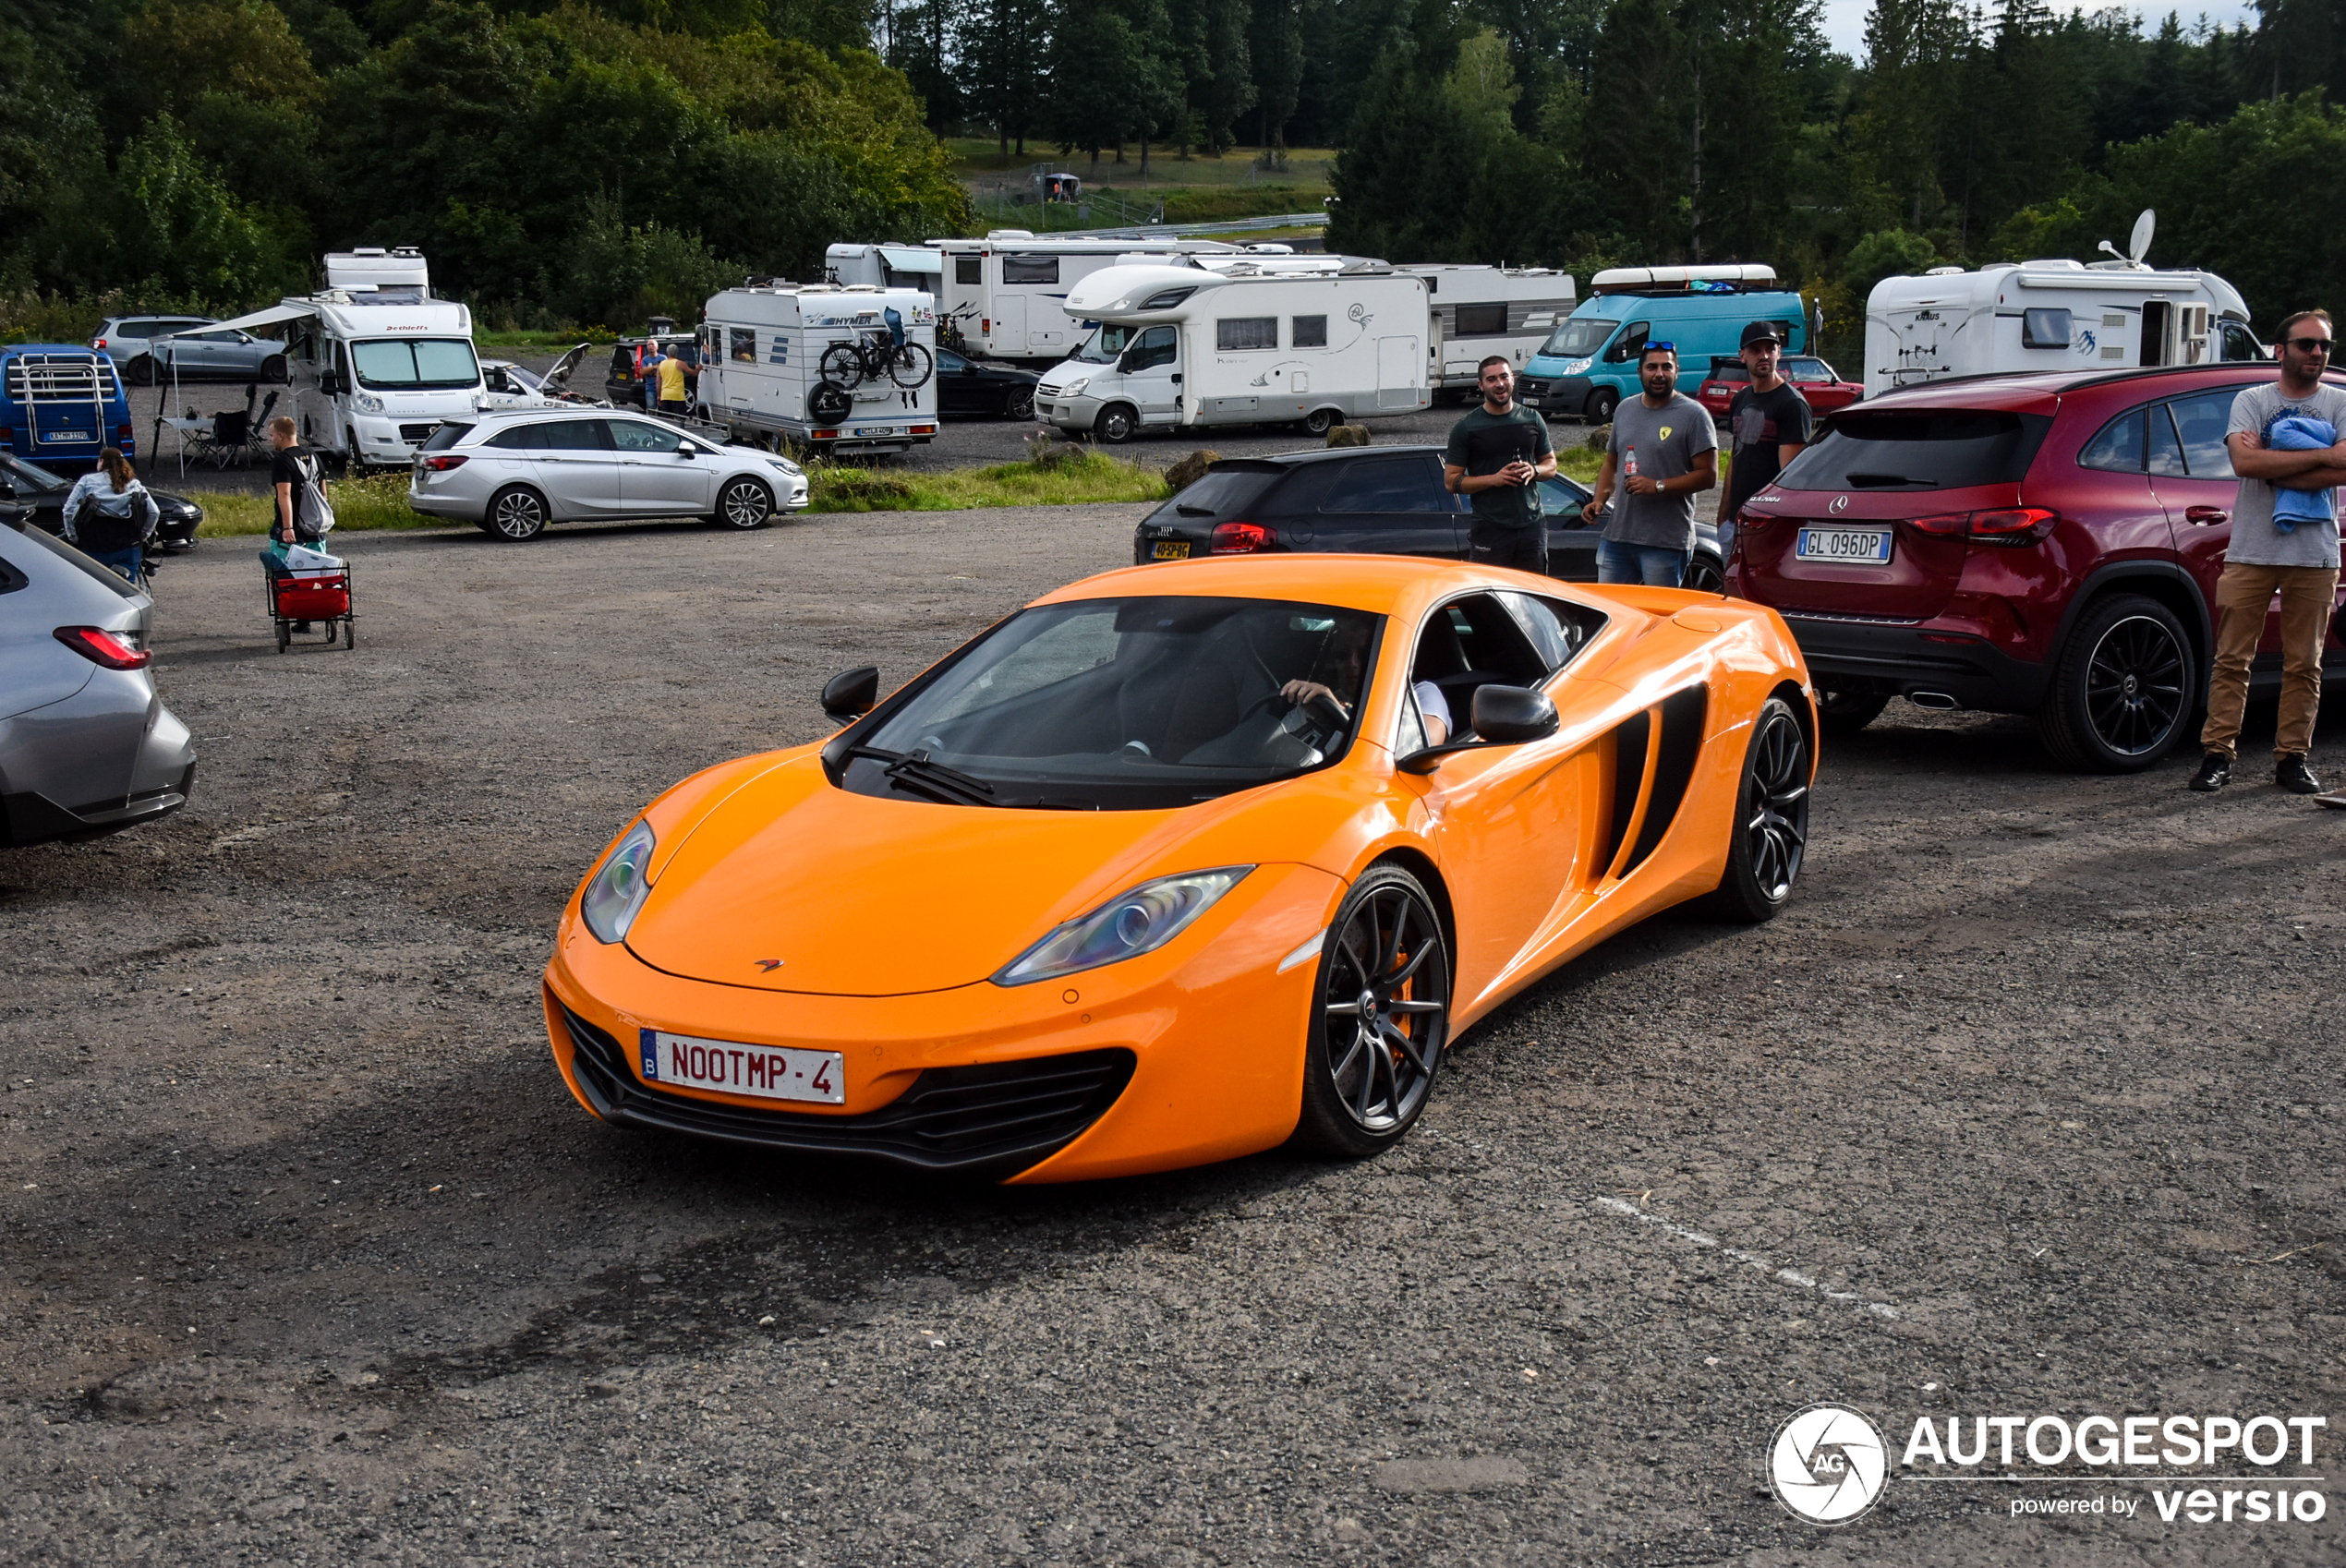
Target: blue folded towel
pixel 2301 432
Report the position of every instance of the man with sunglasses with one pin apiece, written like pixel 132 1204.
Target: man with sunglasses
pixel 2297 560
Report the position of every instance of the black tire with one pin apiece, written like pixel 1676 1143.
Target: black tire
pixel 842 364
pixel 745 503
pixel 141 370
pixel 1367 1079
pixel 1319 422
pixel 350 634
pixel 2122 688
pixel 911 366
pixel 284 635
pixel 1705 575
pixel 1844 712
pixel 1600 405
pixel 517 514
pixel 1770 832
pixel 827 402
pixel 1115 424
pixel 272 369
pixel 1020 403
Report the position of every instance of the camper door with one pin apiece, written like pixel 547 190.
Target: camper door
pixel 1151 369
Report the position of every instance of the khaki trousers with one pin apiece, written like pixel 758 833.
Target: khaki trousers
pixel 2243 596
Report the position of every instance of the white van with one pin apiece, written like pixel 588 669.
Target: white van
pixel 2051 314
pixel 375 361
pixel 1239 345
pixel 815 365
pixel 1486 310
pixel 1006 296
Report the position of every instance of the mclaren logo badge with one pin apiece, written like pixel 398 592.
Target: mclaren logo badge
pixel 769 965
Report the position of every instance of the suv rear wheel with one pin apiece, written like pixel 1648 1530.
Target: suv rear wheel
pixel 2122 688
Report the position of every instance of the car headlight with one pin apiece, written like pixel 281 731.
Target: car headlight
pixel 787 466
pixel 368 403
pixel 1126 927
pixel 1074 387
pixel 1577 366
pixel 616 890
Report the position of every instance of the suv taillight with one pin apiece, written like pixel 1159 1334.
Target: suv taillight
pixel 1749 520
pixel 1997 526
pixel 440 461
pixel 1239 538
pixel 101 646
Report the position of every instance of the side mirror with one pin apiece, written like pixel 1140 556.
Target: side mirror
pixel 850 692
pixel 1508 716
pixel 7 488
pixel 686 449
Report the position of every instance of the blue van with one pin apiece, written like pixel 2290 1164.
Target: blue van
pixel 60 402
pixel 1590 362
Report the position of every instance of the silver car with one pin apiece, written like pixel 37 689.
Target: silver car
pixel 86 746
pixel 153 348
pixel 511 474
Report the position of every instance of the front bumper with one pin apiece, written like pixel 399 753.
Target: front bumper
pixel 1563 395
pixel 1079 413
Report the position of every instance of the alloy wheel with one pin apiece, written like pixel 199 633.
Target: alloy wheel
pixel 2134 686
pixel 517 515
pixel 1386 1007
pixel 1776 826
pixel 744 504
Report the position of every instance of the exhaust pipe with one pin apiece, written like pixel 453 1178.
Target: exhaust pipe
pixel 1938 702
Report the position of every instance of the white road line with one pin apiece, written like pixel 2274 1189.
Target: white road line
pixel 1790 1276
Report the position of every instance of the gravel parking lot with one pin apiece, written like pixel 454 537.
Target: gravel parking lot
pixel 2028 1105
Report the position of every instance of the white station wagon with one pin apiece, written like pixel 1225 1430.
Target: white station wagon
pixel 511 474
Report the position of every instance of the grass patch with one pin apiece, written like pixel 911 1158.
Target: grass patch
pixel 1577 462
pixel 508 343
pixel 1086 476
pixel 379 501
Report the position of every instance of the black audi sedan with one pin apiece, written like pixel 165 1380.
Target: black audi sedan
pixel 1374 500
pixel 966 386
pixel 38 497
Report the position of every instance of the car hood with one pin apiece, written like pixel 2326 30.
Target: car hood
pixel 861 896
pixel 558 377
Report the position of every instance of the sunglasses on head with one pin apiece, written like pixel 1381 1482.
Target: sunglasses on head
pixel 2310 345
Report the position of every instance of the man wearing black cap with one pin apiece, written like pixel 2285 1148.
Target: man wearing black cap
pixel 1769 422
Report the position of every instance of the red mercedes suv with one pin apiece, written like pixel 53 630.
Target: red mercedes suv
pixel 2037 544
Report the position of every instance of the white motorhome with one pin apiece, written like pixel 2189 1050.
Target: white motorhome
pixel 1184 345
pixel 886 266
pixel 815 365
pixel 375 361
pixel 2051 314
pixel 1006 296
pixel 1486 310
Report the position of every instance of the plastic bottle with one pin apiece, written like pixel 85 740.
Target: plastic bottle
pixel 1629 468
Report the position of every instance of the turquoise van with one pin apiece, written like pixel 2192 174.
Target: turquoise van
pixel 1590 362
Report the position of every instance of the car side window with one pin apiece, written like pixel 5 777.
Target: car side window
pixel 1402 483
pixel 575 435
pixel 520 438
pixel 2202 420
pixel 2166 447
pixel 1558 630
pixel 1157 346
pixel 628 435
pixel 2119 448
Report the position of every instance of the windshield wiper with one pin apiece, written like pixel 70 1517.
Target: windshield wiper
pixel 1873 481
pixel 914 772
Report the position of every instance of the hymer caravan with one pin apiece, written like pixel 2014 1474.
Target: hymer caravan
pixel 1006 296
pixel 837 370
pixel 375 361
pixel 1238 345
pixel 1487 311
pixel 2051 314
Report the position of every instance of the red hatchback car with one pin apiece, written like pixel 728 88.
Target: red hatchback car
pixel 2041 544
pixel 1817 382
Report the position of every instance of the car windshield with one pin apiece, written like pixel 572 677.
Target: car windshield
pixel 415 364
pixel 1933 449
pixel 1105 345
pixel 1580 336
pixel 1805 370
pixel 1125 704
pixel 33 471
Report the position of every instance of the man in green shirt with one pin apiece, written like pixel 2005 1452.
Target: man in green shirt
pixel 1497 456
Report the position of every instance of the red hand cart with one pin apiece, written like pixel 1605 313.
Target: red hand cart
pixel 309 597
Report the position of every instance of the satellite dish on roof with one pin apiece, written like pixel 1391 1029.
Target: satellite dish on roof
pixel 2140 246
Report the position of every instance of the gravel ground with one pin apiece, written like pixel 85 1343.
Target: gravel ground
pixel 308 1257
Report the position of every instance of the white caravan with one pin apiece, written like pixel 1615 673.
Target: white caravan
pixel 376 363
pixel 816 364
pixel 885 266
pixel 1005 296
pixel 1185 345
pixel 1486 310
pixel 2051 314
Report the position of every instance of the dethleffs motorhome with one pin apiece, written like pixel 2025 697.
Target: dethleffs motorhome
pixel 1239 345
pixel 375 361
pixel 2051 314
pixel 1006 294
pixel 816 364
pixel 1487 311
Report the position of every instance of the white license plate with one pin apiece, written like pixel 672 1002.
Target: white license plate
pixel 874 431
pixel 764 1072
pixel 64 435
pixel 1869 546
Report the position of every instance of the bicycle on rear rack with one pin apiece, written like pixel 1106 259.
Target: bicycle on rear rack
pixel 874 355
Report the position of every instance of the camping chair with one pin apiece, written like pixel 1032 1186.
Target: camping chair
pixel 257 430
pixel 224 444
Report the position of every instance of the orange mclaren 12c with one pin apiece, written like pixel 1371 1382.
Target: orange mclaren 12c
pixel 1181 862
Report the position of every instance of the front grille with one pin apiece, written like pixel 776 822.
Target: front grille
pixel 416 434
pixel 1531 389
pixel 991 1121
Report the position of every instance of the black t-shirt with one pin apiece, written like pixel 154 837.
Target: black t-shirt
pixel 1761 422
pixel 286 467
pixel 1484 442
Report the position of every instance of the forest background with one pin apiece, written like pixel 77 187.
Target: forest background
pixel 591 162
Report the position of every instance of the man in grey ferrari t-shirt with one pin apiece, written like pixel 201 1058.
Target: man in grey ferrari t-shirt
pixel 1663 453
pixel 2296 558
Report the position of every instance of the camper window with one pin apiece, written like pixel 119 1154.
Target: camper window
pixel 411 364
pixel 1307 331
pixel 744 343
pixel 1481 321
pixel 1247 331
pixel 1580 336
pixel 969 269
pixel 1029 269
pixel 2046 327
pixel 1155 348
